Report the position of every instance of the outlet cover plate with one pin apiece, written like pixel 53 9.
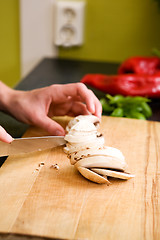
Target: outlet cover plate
pixel 69 23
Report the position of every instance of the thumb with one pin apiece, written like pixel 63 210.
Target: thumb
pixel 4 136
pixel 51 126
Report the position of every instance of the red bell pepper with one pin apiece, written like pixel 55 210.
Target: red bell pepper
pixel 126 84
pixel 140 65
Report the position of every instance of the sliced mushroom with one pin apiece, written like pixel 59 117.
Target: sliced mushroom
pixel 90 118
pixel 105 151
pixel 92 176
pixel 101 162
pixel 82 131
pixel 80 139
pixel 84 126
pixel 75 147
pixel 112 173
pixel 86 151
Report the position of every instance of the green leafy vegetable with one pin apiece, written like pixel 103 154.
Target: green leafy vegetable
pixel 117 112
pixel 156 51
pixel 129 107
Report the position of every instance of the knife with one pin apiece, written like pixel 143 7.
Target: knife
pixel 30 144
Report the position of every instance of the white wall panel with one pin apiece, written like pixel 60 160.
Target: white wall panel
pixel 36 32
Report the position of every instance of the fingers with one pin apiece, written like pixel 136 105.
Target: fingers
pixel 50 126
pixel 79 90
pixel 78 108
pixel 92 102
pixel 4 136
pixel 97 105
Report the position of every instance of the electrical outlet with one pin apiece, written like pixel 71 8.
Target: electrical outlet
pixel 69 23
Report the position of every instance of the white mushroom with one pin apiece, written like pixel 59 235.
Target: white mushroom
pixel 98 151
pixel 101 162
pixel 82 131
pixel 75 147
pixel 112 173
pixel 90 118
pixel 93 176
pixel 86 151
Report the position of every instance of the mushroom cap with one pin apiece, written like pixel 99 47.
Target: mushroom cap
pixel 92 176
pixel 105 151
pixel 80 139
pixel 75 147
pixel 90 118
pixel 84 126
pixel 82 131
pixel 112 173
pixel 101 162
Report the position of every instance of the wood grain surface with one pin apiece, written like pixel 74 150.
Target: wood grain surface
pixel 42 201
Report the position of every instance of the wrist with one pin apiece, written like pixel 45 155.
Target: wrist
pixel 5 96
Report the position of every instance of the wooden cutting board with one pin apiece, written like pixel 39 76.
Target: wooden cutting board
pixel 42 201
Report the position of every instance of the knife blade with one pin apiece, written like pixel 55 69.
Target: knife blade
pixel 30 144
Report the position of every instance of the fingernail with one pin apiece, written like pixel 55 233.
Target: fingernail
pixel 9 138
pixel 99 116
pixel 92 108
pixel 59 133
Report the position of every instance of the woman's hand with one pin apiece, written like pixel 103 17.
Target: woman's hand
pixel 36 107
pixel 4 136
